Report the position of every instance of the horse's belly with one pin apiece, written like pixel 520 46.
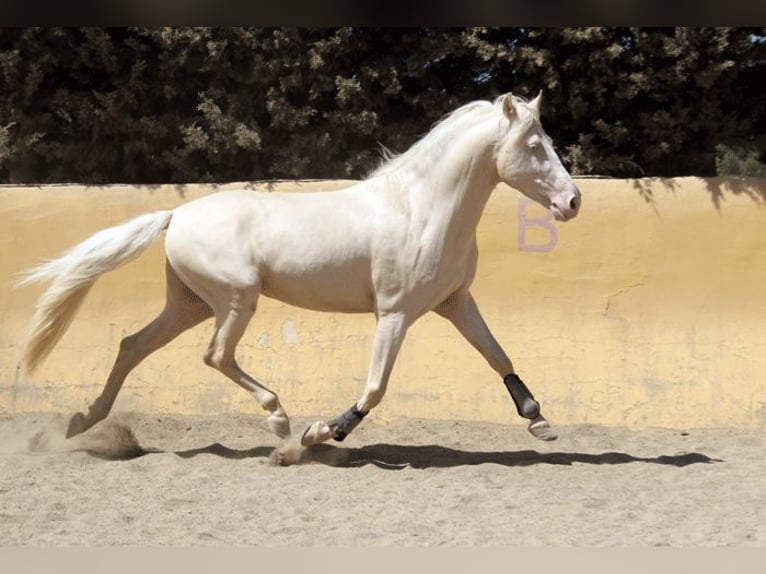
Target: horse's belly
pixel 341 290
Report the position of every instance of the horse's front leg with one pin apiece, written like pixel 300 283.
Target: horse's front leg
pixel 389 337
pixel 462 311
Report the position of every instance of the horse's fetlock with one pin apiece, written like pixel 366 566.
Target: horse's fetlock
pixel 279 423
pixel 97 411
pixel 272 405
pixel 345 423
pixel 76 425
pixel 525 402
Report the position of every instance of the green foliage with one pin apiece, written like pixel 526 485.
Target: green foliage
pixel 632 101
pixel 154 105
pixel 738 161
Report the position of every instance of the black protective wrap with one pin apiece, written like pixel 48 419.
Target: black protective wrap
pixel 346 422
pixel 526 405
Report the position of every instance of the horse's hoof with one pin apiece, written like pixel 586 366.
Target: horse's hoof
pixel 290 452
pixel 279 425
pixel 316 433
pixel 76 425
pixel 541 428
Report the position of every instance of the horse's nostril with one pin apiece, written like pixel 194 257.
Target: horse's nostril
pixel 573 204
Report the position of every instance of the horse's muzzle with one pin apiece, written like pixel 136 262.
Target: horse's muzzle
pixel 566 205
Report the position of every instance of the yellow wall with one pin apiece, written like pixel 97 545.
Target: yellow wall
pixel 647 310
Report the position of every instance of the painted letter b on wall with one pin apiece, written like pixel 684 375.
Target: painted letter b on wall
pixel 536 234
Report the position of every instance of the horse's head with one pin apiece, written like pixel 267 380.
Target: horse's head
pixel 527 161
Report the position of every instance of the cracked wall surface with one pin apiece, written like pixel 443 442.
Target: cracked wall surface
pixel 646 310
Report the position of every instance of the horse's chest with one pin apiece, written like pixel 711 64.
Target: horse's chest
pixel 423 277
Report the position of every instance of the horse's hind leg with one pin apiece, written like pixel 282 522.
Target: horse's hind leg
pixel 231 322
pixel 183 310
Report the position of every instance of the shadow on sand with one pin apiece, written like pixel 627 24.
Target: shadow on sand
pixel 395 457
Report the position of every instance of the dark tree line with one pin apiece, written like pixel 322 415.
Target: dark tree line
pixel 156 105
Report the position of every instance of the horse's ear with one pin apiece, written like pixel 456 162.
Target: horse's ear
pixel 509 108
pixel 534 105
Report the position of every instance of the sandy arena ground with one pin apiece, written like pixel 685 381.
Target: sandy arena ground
pixel 209 481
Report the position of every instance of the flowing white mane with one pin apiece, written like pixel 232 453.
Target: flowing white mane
pixel 443 132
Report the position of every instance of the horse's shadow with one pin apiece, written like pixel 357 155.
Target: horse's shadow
pixel 397 457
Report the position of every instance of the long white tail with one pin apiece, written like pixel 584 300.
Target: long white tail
pixel 75 272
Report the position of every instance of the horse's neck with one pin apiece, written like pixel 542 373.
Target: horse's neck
pixel 451 194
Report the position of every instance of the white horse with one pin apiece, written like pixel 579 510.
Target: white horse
pixel 399 244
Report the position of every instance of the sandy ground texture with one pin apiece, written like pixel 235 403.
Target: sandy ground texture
pixel 140 480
